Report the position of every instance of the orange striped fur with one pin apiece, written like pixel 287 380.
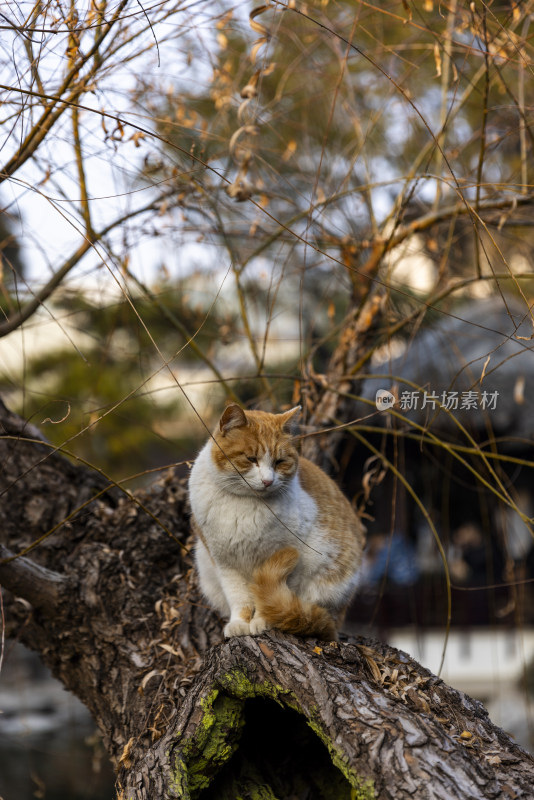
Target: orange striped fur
pixel 280 607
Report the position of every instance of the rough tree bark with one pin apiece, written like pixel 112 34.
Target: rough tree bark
pixel 110 602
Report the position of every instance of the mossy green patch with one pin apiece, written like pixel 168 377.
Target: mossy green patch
pixel 239 685
pixel 365 791
pixel 202 763
pixel 216 739
pixel 362 788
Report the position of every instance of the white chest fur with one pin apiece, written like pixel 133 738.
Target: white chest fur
pixel 243 530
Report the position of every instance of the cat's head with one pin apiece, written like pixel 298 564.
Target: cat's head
pixel 254 450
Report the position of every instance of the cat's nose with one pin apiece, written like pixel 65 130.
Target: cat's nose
pixel 267 481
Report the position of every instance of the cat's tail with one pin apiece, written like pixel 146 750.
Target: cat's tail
pixel 280 607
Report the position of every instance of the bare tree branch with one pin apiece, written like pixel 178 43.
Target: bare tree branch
pixel 42 587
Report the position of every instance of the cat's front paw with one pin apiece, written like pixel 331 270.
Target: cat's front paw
pixel 237 627
pixel 257 626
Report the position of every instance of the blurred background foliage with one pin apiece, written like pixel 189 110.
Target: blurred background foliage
pixel 350 124
pixel 102 394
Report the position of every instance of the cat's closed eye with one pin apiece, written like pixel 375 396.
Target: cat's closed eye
pixel 279 461
pixel 252 459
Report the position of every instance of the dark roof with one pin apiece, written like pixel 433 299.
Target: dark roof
pixel 452 356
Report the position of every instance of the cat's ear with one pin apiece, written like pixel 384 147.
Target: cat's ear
pixel 289 418
pixel 233 417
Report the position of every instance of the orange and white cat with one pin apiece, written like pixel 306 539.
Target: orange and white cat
pixel 279 545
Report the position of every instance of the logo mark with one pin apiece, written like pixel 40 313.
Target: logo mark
pixel 384 400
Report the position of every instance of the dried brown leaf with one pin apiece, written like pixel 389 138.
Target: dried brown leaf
pixel 124 760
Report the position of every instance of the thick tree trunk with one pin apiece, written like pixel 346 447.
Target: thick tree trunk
pixel 109 599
